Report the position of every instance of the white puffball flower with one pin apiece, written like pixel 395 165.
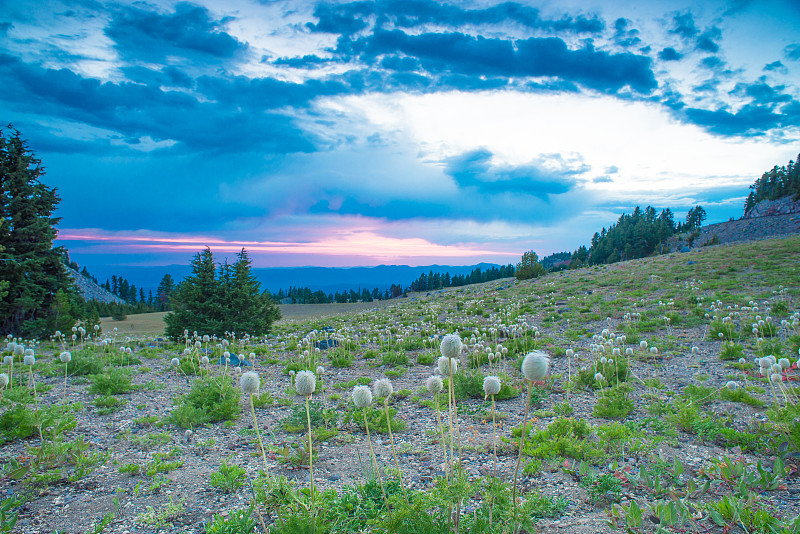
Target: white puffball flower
pixel 128 351
pixel 742 360
pixel 362 396
pixel 8 360
pixel 65 357
pixel 320 370
pixel 785 363
pixel 732 385
pixel 291 373
pixel 535 365
pixel 187 351
pixel 3 380
pixel 451 346
pixel 434 384
pixel 775 377
pixel 206 339
pixel 603 360
pixel 29 352
pixel 382 388
pixel 629 352
pixel 446 365
pixel 598 377
pixel 615 352
pixel 610 360
pixel 776 368
pixel 237 369
pixel 204 360
pixel 250 382
pixel 305 383
pixel 30 359
pixel 175 362
pixel 643 344
pixel 491 385
pixel 570 353
pixel 198 344
pixel 695 350
pixel 654 350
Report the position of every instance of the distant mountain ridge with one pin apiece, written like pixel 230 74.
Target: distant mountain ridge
pixel 327 279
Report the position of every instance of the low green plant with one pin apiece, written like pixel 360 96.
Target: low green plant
pixel 394 358
pixel 234 522
pixel 130 469
pixel 210 400
pixel 228 478
pixel 614 403
pixel 469 383
pixel 731 351
pixel 116 382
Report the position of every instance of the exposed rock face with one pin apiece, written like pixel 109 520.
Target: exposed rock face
pixel 769 208
pixel 91 291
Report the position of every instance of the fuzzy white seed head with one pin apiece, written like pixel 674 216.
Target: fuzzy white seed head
pixel 65 357
pixel 434 384
pixel 29 352
pixel 654 350
pixel 732 385
pixel 491 385
pixel 451 346
pixel 175 362
pixel 204 360
pixel 643 344
pixel 615 352
pixel 603 360
pixel 775 378
pixel 250 382
pixel 362 396
pixel 570 353
pixel 775 368
pixel 30 359
pixel 320 370
pixel 291 373
pixel 695 350
pixel 785 363
pixel 128 351
pixel 3 380
pixel 598 377
pixel 742 360
pixel 8 360
pixel 446 365
pixel 629 352
pixel 187 351
pixel 535 365
pixel 382 388
pixel 305 383
pixel 610 361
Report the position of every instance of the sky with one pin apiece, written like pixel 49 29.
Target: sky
pixel 392 131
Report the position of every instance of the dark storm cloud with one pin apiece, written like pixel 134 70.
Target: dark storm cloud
pixel 462 54
pixel 350 18
pixel 135 110
pixel 190 32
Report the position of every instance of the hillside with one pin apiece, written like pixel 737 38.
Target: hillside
pixel 91 291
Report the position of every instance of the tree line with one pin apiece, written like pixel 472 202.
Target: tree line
pixel 776 183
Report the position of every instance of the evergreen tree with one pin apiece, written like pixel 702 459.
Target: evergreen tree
pixel 212 301
pixel 39 292
pixel 165 290
pixel 528 267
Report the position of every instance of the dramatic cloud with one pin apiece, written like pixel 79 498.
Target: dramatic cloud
pixel 311 131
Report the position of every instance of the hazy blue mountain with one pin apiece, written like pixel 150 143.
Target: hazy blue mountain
pixel 328 279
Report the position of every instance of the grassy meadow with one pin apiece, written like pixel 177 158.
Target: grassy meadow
pixel 670 405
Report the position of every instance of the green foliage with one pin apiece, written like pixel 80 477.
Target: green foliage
pixel 529 267
pixel 377 419
pixel 614 403
pixel 340 358
pixel 214 303
pixel 394 358
pixel 228 478
pixel 20 421
pixel 469 383
pixel 114 383
pixel 43 298
pixel 235 522
pixel 740 395
pixel 130 469
pixel 774 184
pixel 210 400
pixel 320 417
pixel 731 351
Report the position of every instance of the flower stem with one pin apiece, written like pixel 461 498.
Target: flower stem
pixel 394 454
pixel 519 458
pixel 444 441
pixel 374 460
pixel 258 434
pixel 310 453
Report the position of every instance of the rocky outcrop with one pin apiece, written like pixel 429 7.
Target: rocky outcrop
pixel 771 208
pixel 91 291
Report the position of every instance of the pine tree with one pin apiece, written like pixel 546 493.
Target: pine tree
pixel 40 293
pixel 165 290
pixel 528 267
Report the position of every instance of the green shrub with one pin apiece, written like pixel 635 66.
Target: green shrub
pixel 228 478
pixel 614 403
pixel 211 399
pixel 470 384
pixel 426 358
pixel 236 522
pixel 393 358
pixel 113 383
pixel 731 351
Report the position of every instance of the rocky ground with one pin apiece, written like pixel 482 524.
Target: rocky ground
pixel 567 309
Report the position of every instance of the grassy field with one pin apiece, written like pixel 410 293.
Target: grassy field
pixel 657 412
pixel 153 323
